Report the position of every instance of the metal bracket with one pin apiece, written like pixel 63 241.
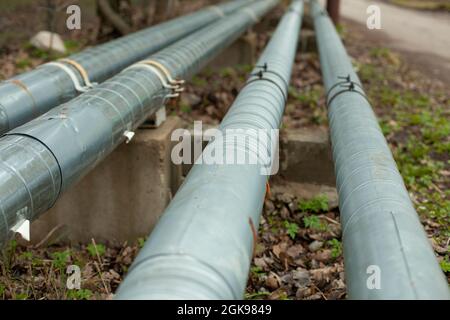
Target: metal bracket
pixel 82 72
pixel 70 73
pixel 348 85
pixel 163 75
pixel 260 76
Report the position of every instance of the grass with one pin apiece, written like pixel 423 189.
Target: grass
pixel 416 123
pixel 41 273
pixel 336 248
pixel 199 82
pixel 309 98
pixel 23 63
pixel 93 249
pixel 291 229
pixel 314 223
pixel 60 259
pixel 80 294
pixel 256 295
pixel 257 271
pixel 316 204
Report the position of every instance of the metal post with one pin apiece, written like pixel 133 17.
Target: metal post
pixel 333 8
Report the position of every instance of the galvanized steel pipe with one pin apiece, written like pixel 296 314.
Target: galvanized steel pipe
pixel 382 234
pixel 203 244
pixel 43 158
pixel 33 93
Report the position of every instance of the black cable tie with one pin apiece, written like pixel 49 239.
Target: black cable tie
pixel 264 67
pixel 346 78
pixel 349 85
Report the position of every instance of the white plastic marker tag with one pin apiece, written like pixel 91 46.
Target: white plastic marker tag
pixel 23 228
pixel 160 116
pixel 129 135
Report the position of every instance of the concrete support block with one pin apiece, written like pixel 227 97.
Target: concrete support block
pixel 122 198
pixel 241 52
pixel 306 156
pixel 308 41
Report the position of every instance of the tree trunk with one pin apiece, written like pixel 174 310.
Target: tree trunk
pixel 108 12
pixel 333 7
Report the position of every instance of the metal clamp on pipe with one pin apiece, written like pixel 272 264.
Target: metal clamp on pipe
pixel 348 85
pixel 81 70
pixel 163 74
pixel 76 83
pixel 260 76
pixel 61 63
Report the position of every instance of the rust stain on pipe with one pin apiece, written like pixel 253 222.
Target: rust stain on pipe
pixel 21 85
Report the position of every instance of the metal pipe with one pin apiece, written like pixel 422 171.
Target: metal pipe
pixel 383 238
pixel 43 158
pixel 33 93
pixel 202 246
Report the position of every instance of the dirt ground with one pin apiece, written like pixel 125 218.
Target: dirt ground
pixel 299 251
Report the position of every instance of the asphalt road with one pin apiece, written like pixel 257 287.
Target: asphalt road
pixel 425 36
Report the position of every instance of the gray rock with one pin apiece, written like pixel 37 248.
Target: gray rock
pixel 47 40
pixel 315 245
pixel 301 277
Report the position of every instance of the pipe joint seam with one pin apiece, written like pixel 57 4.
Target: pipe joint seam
pixel 51 152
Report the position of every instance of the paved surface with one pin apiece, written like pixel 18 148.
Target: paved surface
pixel 425 34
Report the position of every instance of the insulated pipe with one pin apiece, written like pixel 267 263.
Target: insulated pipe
pixel 387 254
pixel 202 246
pixel 43 158
pixel 33 93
